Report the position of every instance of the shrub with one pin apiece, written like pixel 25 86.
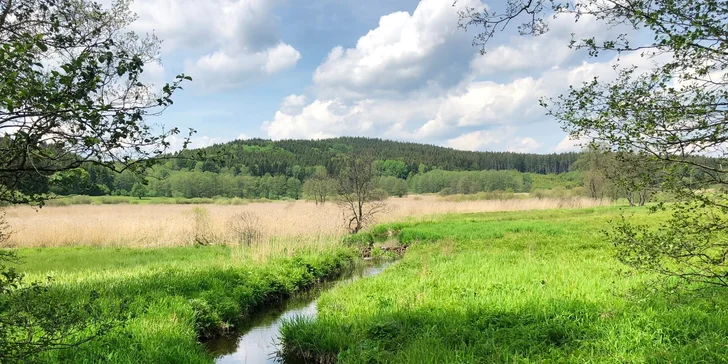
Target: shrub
pixel 379 194
pixel 202 231
pixel 245 227
pixel 80 200
pixel 58 202
pixel 359 240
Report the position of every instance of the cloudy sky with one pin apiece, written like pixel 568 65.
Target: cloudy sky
pixel 393 69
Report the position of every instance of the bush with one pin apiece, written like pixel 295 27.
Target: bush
pixel 108 200
pixel 245 227
pixel 445 191
pixel 202 231
pixel 80 200
pixel 360 240
pixel 58 202
pixel 379 194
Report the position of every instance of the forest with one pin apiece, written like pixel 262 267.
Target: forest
pixel 293 169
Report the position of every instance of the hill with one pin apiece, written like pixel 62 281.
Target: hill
pixel 262 156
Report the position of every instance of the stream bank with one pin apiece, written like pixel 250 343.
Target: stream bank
pixel 258 340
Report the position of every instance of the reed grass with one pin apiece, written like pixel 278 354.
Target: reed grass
pixel 158 225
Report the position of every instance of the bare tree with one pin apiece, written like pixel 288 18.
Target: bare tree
pixel 246 228
pixel 356 192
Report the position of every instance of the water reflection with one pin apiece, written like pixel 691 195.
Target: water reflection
pixel 257 341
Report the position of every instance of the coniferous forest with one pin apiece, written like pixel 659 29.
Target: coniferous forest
pixel 259 168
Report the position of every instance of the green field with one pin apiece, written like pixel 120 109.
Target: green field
pixel 533 286
pixel 175 296
pixel 538 286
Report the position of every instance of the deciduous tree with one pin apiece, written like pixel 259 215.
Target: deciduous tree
pixel 670 113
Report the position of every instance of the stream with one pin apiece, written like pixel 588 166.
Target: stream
pixel 257 341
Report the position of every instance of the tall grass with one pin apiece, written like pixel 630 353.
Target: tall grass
pixel 177 296
pixel 126 225
pixel 511 287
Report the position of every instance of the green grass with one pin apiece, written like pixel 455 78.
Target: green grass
pixel 74 259
pixel 176 295
pixel 527 287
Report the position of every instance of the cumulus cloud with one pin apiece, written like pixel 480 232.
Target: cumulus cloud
pixel 569 144
pixel 238 38
pixel 503 138
pixel 416 77
pixel 521 54
pixel 223 70
pixel 404 52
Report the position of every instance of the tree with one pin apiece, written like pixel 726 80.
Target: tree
pixel 670 113
pixel 71 93
pixel 320 186
pixel 293 188
pixel 356 192
pixel 139 190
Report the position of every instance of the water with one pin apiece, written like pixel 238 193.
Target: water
pixel 258 340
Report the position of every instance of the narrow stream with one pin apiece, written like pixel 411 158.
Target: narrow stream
pixel 258 341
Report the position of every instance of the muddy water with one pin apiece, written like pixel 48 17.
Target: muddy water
pixel 258 341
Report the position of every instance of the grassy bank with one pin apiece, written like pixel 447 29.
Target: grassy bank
pixel 176 296
pixel 537 286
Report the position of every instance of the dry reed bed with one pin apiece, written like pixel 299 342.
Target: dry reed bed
pixel 277 223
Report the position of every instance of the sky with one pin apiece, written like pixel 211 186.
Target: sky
pixel 391 69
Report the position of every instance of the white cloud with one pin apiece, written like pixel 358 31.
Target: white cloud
pixel 154 74
pixel 222 70
pixel 293 104
pixel 503 138
pixel 320 119
pixel 234 41
pixel 405 52
pixel 529 54
pixel 524 145
pixel 391 84
pixel 568 144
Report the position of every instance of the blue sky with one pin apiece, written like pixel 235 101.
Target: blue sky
pixel 393 69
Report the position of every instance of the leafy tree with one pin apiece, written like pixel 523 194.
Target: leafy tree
pixel 668 113
pixel 139 190
pixel 71 93
pixel 293 188
pixel 320 185
pixel 393 186
pixel 596 165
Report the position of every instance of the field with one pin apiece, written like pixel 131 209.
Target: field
pixel 175 297
pixel 475 285
pixel 511 287
pixel 163 225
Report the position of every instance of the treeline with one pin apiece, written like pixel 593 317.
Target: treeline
pixel 259 157
pixel 310 182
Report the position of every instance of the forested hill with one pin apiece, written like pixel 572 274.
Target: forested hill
pixel 278 157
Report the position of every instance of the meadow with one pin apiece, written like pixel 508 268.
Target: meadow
pixel 518 280
pixel 526 287
pixel 276 223
pixel 173 298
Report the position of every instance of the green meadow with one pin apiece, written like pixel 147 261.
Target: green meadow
pixel 172 298
pixel 531 286
pixel 512 287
